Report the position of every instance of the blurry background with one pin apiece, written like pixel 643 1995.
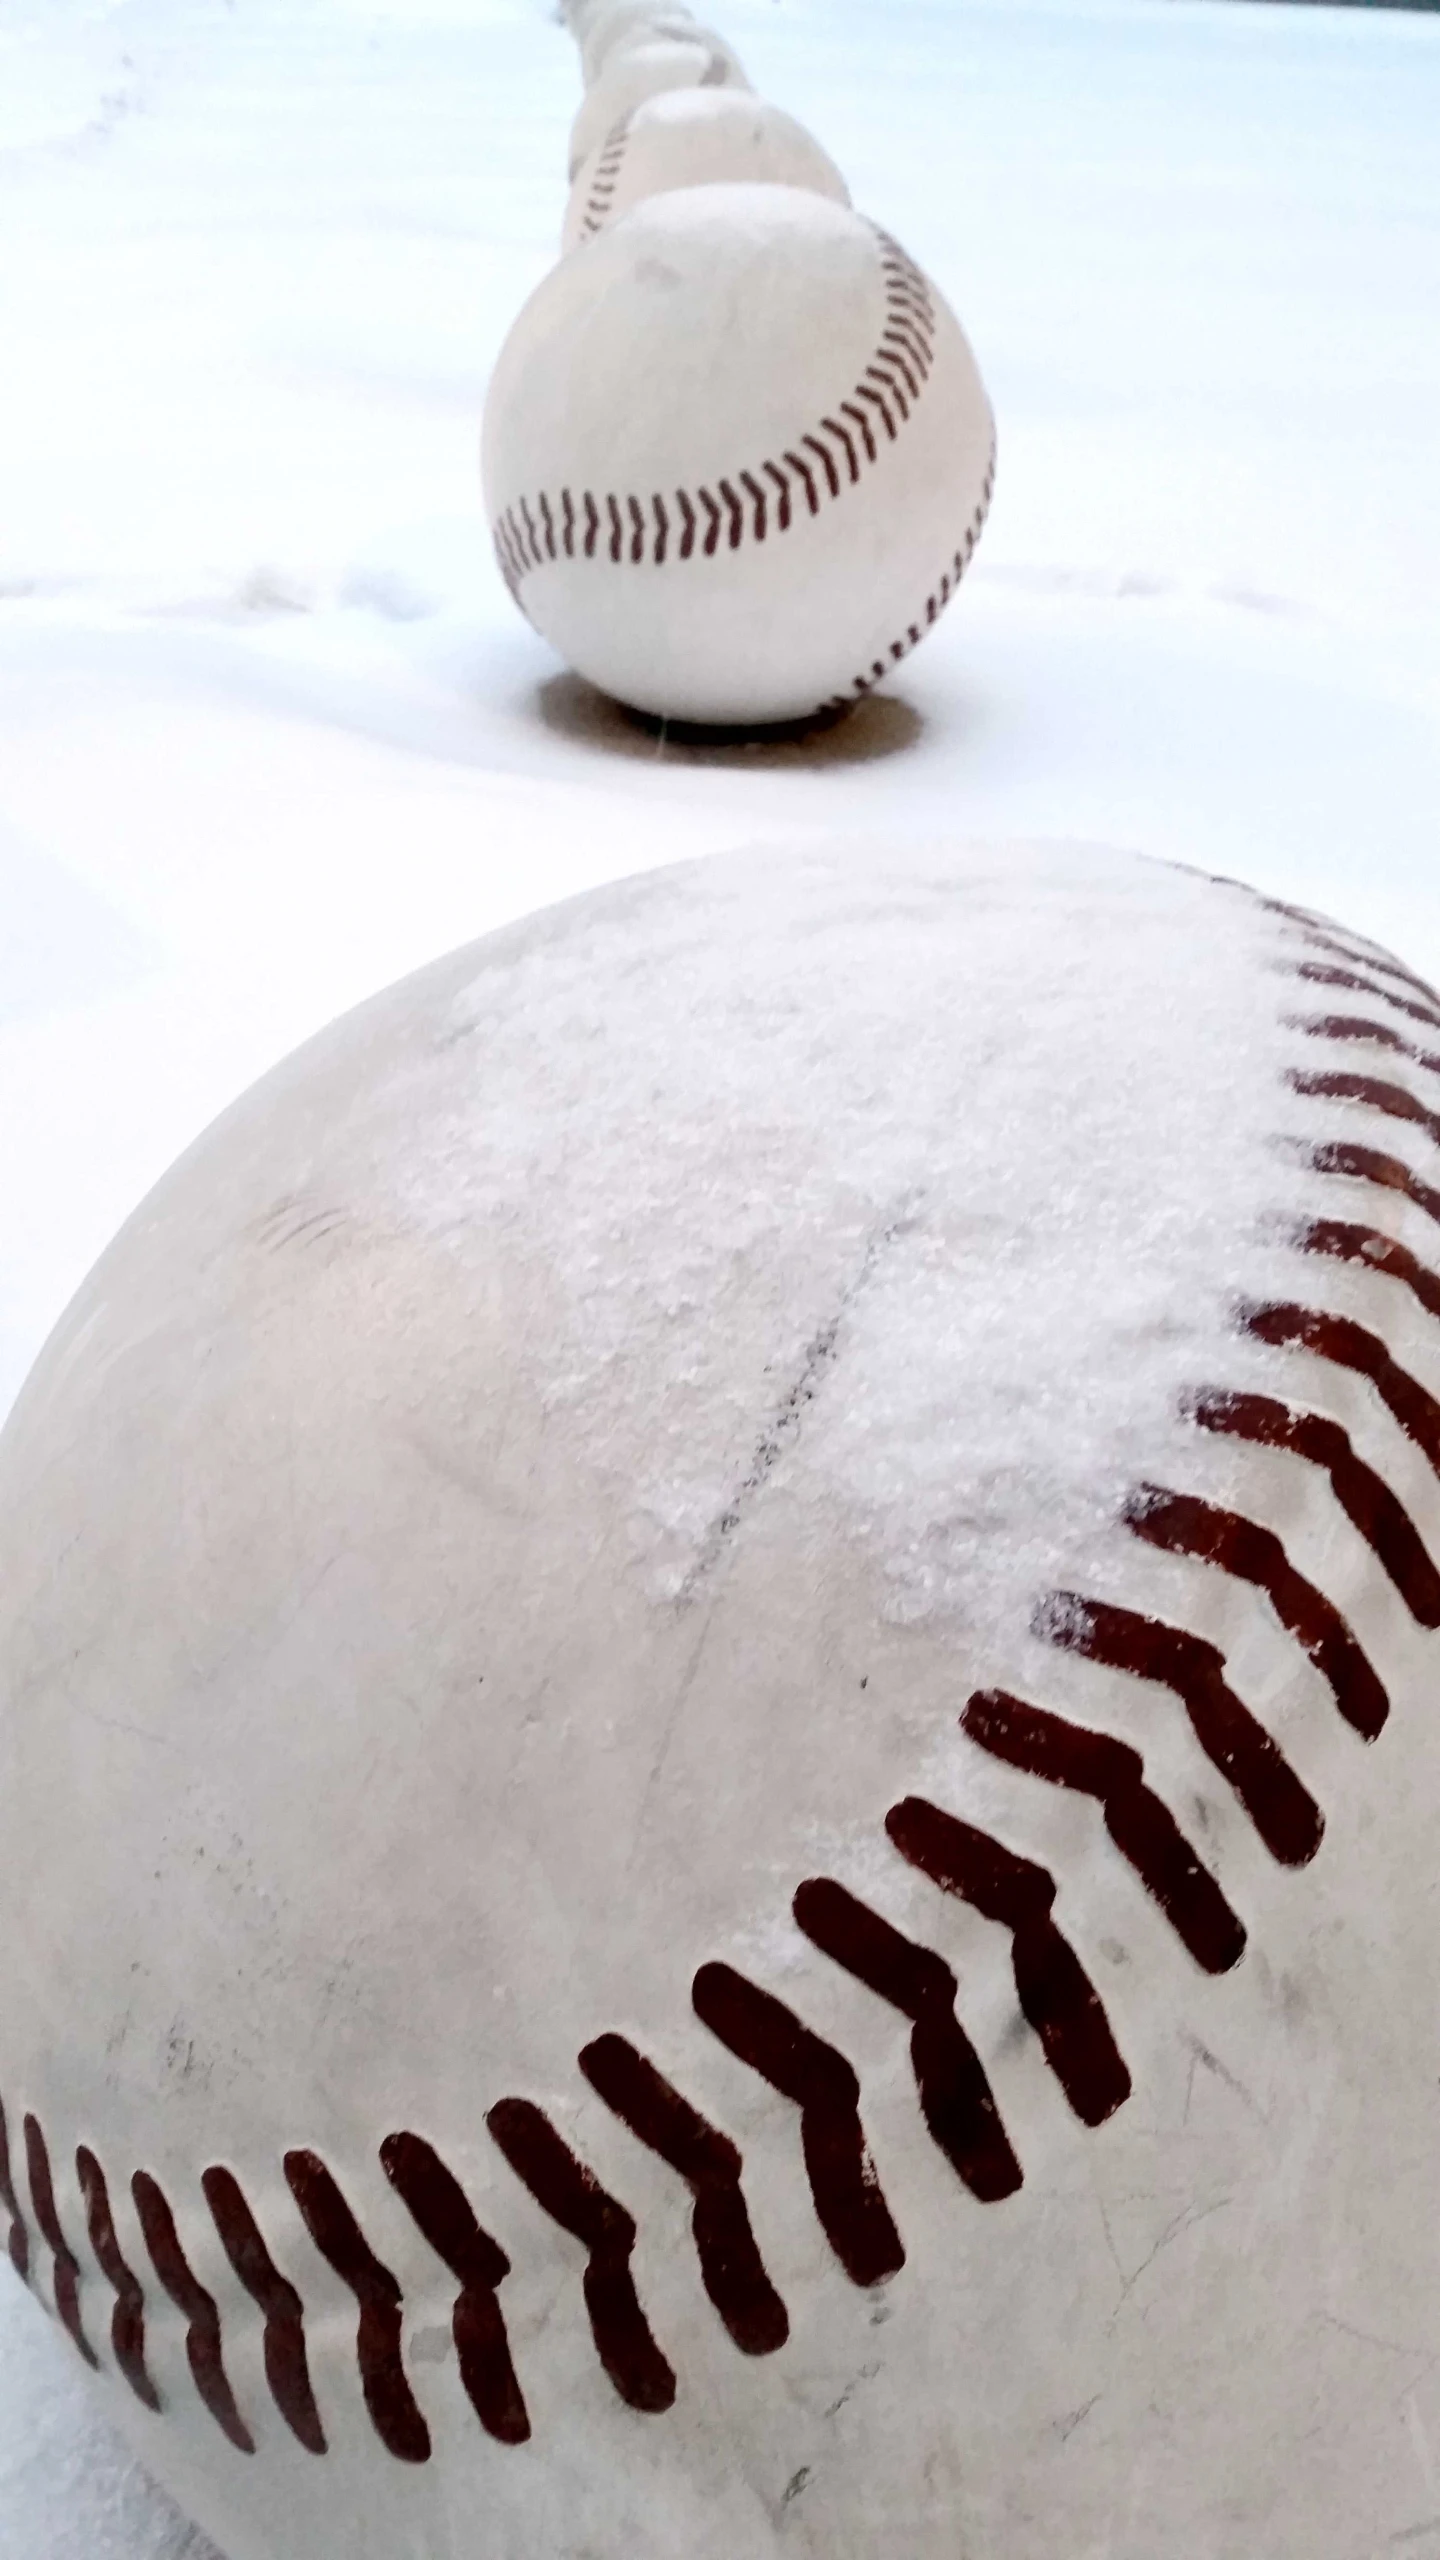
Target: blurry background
pixel 271 732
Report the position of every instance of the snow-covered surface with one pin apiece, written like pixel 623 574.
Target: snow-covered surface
pixel 270 732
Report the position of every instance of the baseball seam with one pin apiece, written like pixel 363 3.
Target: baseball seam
pixel 600 203
pixel 631 529
pixel 1054 1992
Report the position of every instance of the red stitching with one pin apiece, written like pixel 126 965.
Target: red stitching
pixel 783 517
pixel 1143 1828
pixel 1392 1099
pixel 1382 1521
pixel 287 2368
pixel 828 461
pixel 573 2196
pixel 337 2235
pixel 606 179
pixel 1352 1346
pixel 127 2320
pixel 1382 1035
pixel 833 427
pixel 762 2032
pixel 934 606
pixel 65 2266
pixel 441 2209
pixel 865 393
pixel 1055 1993
pixel 202 2319
pixel 18 2241
pixel 905 350
pixel 1342 1240
pixel 731 2267
pixel 1320 975
pixel 1283 1811
pixel 812 494
pixel 956 2099
pixel 1352 948
pixel 1181 1524
pixel 752 488
pixel 1367 1164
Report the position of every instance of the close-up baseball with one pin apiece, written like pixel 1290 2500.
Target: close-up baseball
pixel 830 1511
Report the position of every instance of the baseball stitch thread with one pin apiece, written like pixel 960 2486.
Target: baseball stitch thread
pixel 731 2267
pixel 934 605
pixel 127 2321
pixel 1370 1164
pixel 761 2031
pixel 573 2196
pixel 634 528
pixel 18 2239
pixel 600 203
pixel 338 2236
pixel 1143 1829
pixel 1348 1345
pixel 1286 1816
pixel 1318 974
pixel 1367 1501
pixel 1055 1993
pixel 441 2210
pixel 287 2368
pixel 202 2333
pixel 65 2264
pixel 1181 1524
pixel 956 2099
pixel 1358 1026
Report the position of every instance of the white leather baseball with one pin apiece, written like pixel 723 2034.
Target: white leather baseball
pixel 643 71
pixel 736 455
pixel 718 1760
pixel 695 138
pixel 629 23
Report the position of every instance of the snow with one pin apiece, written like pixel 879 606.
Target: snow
pixel 271 733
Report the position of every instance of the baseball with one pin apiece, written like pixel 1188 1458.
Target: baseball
pixel 736 455
pixel 718 1771
pixel 628 23
pixel 695 138
pixel 643 71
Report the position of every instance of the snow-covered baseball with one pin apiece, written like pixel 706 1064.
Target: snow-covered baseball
pixel 633 73
pixel 695 138
pixel 717 1760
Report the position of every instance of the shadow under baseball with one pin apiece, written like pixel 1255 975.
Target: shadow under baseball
pixel 863 732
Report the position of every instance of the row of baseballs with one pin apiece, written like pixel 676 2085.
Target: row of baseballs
pixel 667 104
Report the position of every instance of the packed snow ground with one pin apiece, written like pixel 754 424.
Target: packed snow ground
pixel 271 733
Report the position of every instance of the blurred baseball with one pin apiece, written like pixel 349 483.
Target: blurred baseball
pixel 632 22
pixel 736 455
pixel 642 71
pixel 695 138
